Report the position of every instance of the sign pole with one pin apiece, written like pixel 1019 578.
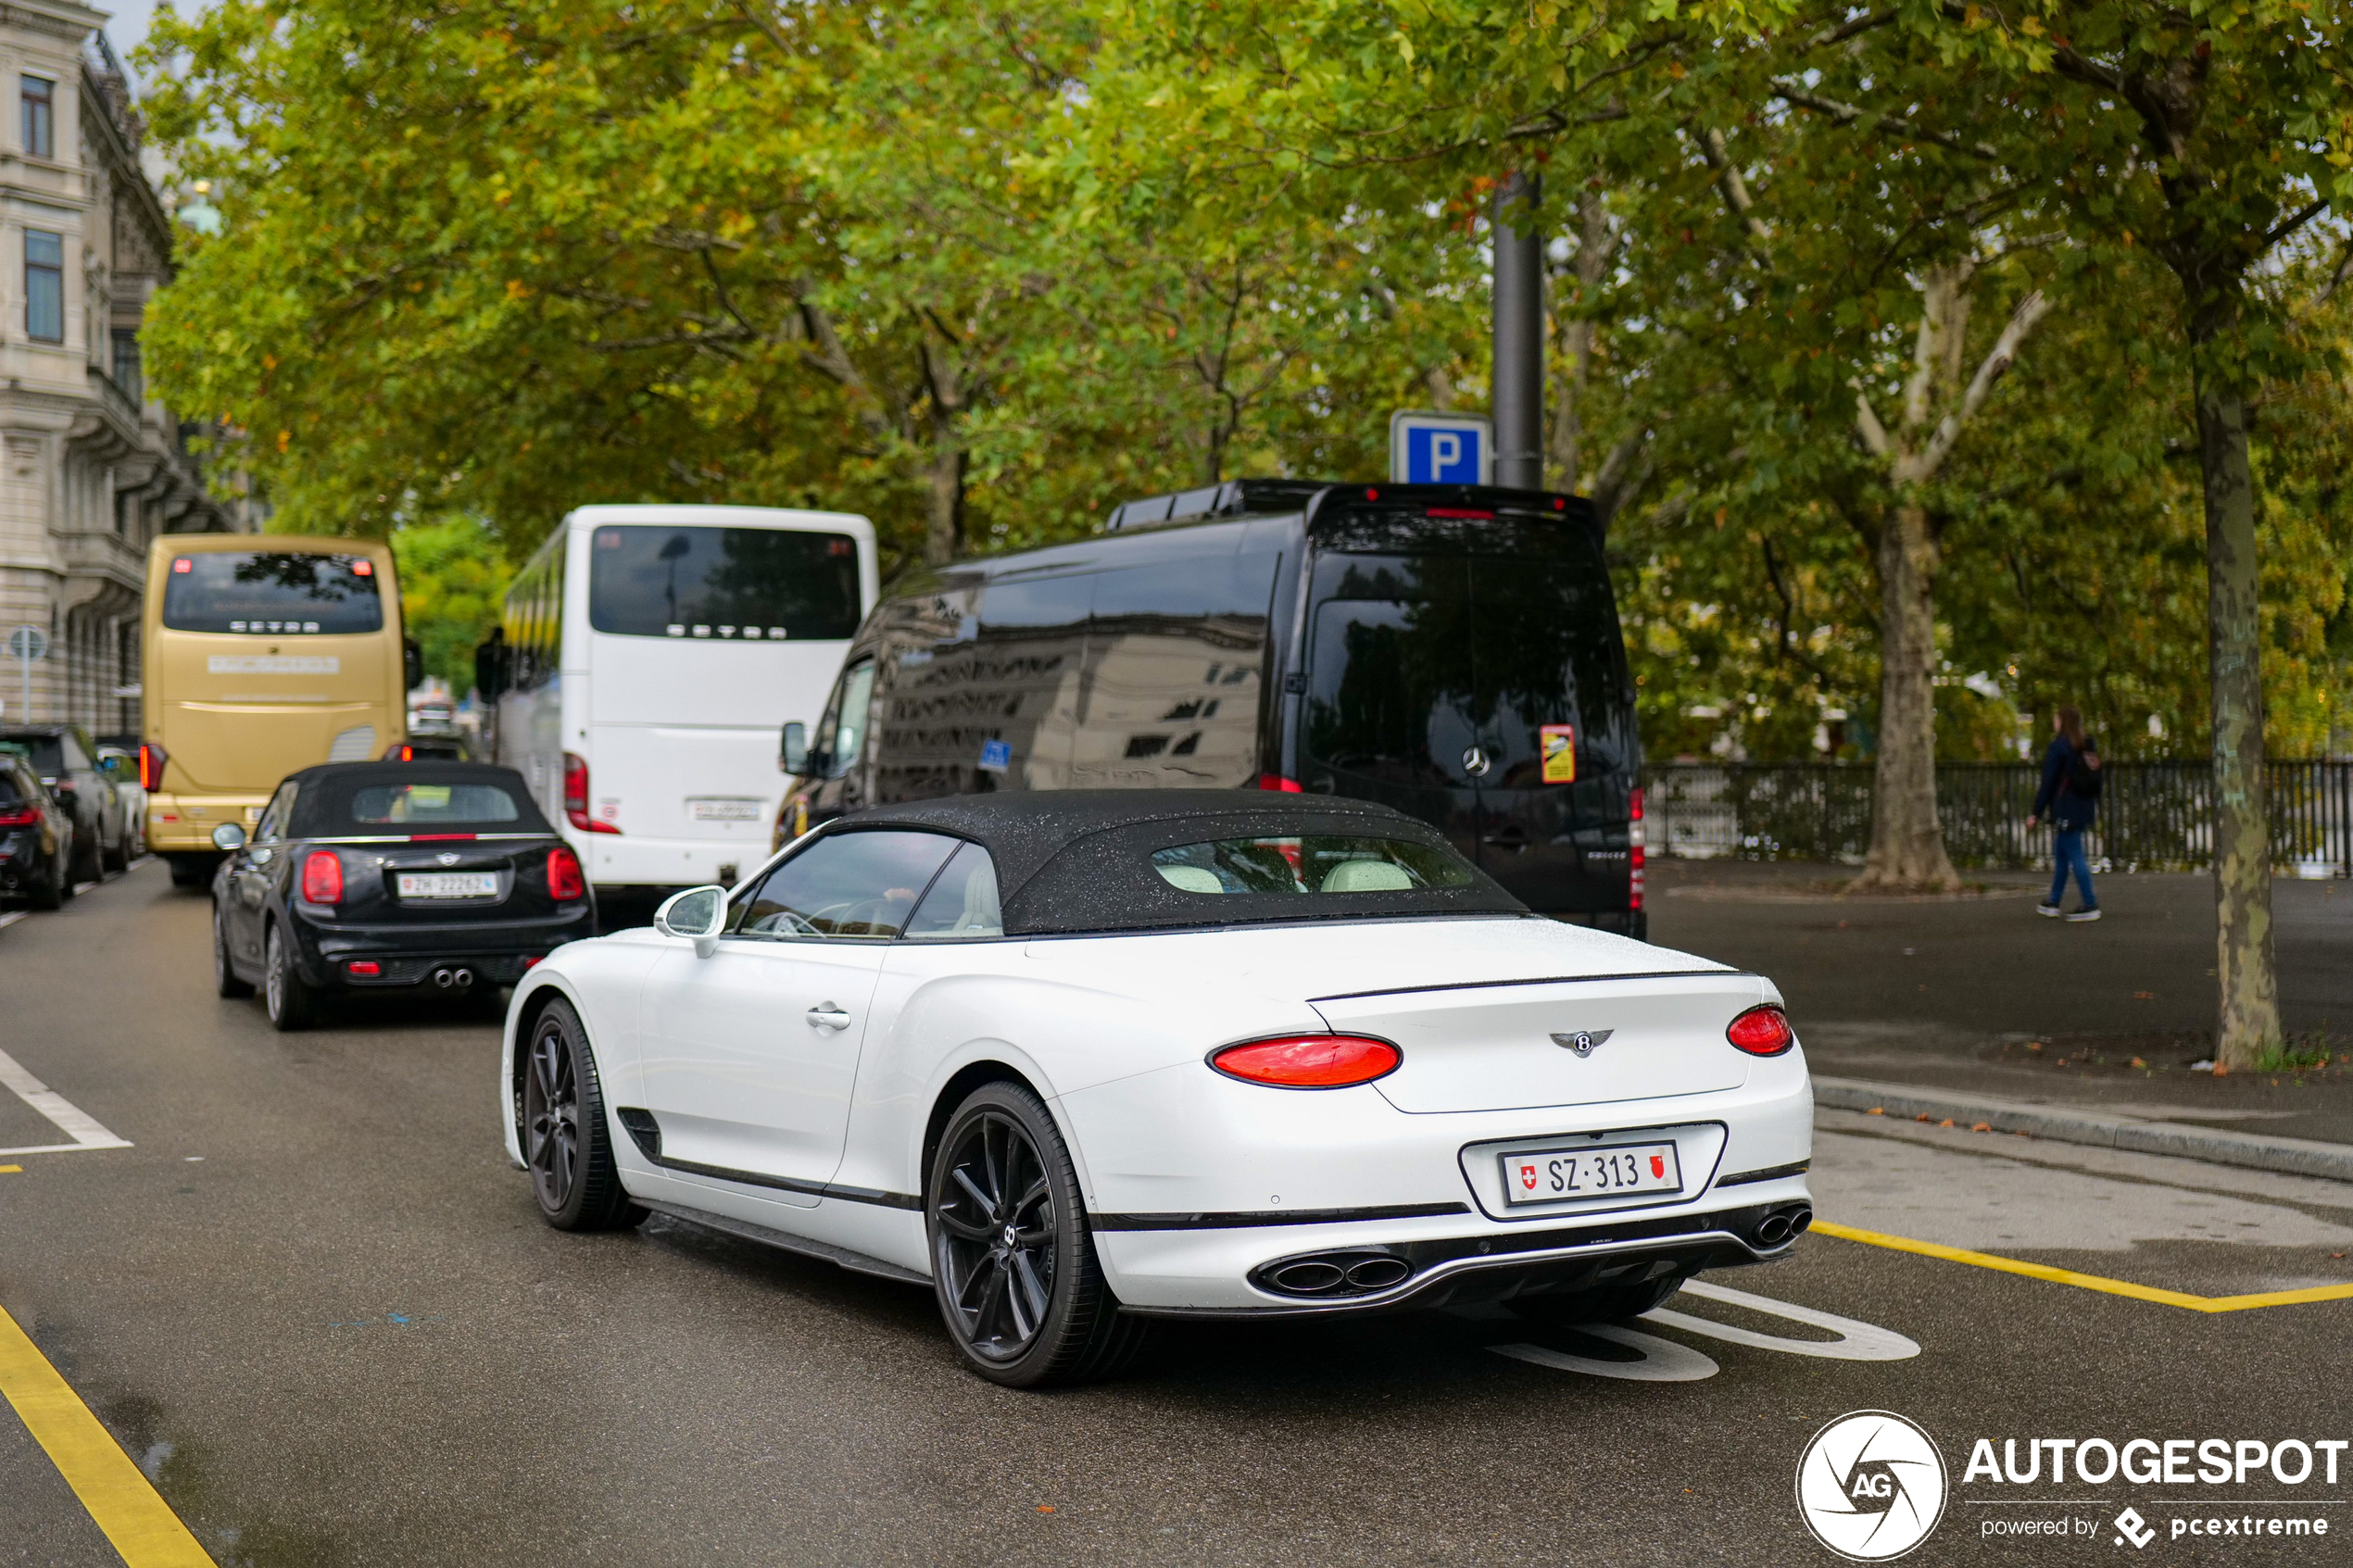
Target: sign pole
pixel 1519 335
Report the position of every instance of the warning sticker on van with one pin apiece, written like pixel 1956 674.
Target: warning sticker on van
pixel 264 664
pixel 1560 753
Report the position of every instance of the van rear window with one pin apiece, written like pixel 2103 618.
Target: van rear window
pixel 271 592
pixel 722 584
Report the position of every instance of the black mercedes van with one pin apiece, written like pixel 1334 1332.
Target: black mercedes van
pixel 1451 650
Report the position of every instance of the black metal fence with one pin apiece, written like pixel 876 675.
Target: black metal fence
pixel 2154 816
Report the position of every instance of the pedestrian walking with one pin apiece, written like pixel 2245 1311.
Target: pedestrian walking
pixel 2070 793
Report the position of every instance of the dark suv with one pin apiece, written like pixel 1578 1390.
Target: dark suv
pixel 68 764
pixel 36 835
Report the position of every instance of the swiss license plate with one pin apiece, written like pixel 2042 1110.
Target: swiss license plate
pixel 724 810
pixel 1562 1176
pixel 448 885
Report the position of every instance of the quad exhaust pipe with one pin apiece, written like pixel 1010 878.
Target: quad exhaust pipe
pixel 1336 1273
pixel 449 979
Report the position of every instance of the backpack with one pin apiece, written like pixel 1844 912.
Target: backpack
pixel 2081 775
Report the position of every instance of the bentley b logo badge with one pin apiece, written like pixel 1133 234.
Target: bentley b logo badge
pixel 1583 1041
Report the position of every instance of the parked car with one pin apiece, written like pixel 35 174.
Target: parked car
pixel 438 879
pixel 36 834
pixel 121 764
pixel 68 764
pixel 1079 1060
pixel 431 744
pixel 1450 650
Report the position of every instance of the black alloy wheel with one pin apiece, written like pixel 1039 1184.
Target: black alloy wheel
pixel 55 887
pixel 1013 1265
pixel 224 973
pixel 565 1142
pixel 286 996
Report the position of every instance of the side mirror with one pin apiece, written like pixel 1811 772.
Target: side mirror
pixel 229 837
pixel 490 668
pixel 793 757
pixel 412 663
pixel 699 912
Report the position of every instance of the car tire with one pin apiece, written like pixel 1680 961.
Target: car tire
pixel 90 863
pixel 1609 1303
pixel 52 891
pixel 1014 1263
pixel 567 1142
pixel 224 975
pixel 121 859
pixel 286 996
pixel 189 871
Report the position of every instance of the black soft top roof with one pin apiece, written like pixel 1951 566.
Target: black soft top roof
pixel 1079 860
pixel 322 800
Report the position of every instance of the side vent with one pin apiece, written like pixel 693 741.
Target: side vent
pixel 643 1130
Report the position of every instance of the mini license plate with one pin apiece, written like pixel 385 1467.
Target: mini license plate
pixel 1562 1176
pixel 448 885
pixel 724 810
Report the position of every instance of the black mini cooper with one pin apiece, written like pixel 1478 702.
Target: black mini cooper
pixel 437 879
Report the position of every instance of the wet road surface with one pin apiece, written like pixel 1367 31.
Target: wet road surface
pixel 316 1305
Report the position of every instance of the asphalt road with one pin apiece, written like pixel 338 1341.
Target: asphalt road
pixel 316 1305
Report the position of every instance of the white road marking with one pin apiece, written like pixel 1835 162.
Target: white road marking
pixel 76 1125
pixel 1663 1359
pixel 12 916
pixel 1860 1341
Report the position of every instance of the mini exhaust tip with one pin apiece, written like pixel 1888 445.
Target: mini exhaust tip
pixel 443 979
pixel 461 978
pixel 1308 1279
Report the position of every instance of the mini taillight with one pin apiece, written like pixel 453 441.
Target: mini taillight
pixel 1276 782
pixel 564 881
pixel 1762 1031
pixel 576 796
pixel 1308 1061
pixel 366 968
pixel 322 877
pixel 152 761
pixel 1635 843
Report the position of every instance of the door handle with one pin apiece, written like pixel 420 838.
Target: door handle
pixel 825 1015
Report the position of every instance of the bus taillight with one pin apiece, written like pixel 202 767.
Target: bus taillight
pixel 576 796
pixel 152 760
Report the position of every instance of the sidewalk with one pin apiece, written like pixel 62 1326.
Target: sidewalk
pixel 1994 1013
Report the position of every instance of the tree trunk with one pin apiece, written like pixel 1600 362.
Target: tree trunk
pixel 2249 1023
pixel 944 520
pixel 1908 844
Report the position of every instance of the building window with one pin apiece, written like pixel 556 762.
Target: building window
pixel 45 286
pixel 126 364
pixel 40 100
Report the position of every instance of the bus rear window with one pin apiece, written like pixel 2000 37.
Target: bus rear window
pixel 722 584
pixel 278 593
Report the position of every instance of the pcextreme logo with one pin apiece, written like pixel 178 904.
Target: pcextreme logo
pixel 1870 1485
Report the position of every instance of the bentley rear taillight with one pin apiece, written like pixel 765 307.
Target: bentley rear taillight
pixel 1308 1061
pixel 322 877
pixel 564 881
pixel 1762 1031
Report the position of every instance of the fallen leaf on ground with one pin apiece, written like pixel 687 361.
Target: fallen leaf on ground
pixel 1923 1116
pixel 1876 1110
pixel 2138 1062
pixel 2145 996
pixel 1982 1127
pixel 1946 1123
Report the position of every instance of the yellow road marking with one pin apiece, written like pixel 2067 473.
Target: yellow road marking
pixel 2087 1282
pixel 11 1170
pixel 140 1523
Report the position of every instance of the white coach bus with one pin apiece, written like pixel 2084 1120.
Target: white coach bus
pixel 646 657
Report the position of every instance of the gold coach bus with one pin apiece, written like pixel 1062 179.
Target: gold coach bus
pixel 262 653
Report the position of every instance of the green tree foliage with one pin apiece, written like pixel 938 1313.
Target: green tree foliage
pixel 453 582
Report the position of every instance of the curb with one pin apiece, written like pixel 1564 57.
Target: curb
pixel 2294 1157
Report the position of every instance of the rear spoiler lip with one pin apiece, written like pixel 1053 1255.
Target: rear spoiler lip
pixel 1725 974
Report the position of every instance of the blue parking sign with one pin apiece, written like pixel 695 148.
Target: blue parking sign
pixel 1433 448
pixel 996 757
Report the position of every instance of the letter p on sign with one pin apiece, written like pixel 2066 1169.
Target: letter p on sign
pixel 1430 449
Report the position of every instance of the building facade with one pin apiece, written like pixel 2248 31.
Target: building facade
pixel 91 468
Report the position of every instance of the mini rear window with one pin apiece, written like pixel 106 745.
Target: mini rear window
pixel 1313 863
pixel 414 805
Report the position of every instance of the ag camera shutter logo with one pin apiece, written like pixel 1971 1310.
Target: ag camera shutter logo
pixel 1870 1485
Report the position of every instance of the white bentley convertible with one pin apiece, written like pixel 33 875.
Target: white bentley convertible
pixel 1081 1060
